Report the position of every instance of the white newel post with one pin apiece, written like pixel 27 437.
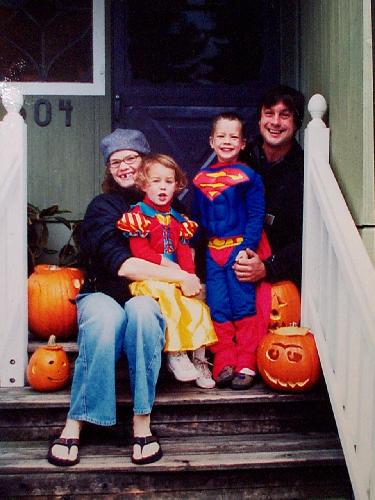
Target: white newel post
pixel 316 144
pixel 13 241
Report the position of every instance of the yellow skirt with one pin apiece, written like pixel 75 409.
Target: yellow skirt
pixel 189 324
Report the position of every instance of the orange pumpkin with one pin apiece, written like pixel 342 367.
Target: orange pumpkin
pixel 285 305
pixel 51 294
pixel 48 368
pixel 288 359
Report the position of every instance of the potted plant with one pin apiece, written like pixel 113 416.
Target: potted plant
pixel 38 235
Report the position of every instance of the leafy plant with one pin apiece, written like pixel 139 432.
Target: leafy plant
pixel 38 235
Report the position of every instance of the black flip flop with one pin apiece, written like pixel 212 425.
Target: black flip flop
pixel 143 441
pixel 63 462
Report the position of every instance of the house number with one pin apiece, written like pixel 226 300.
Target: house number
pixel 43 112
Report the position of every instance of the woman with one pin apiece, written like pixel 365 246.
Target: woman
pixel 110 322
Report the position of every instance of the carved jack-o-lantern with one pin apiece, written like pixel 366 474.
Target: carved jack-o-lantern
pixel 286 304
pixel 48 368
pixel 288 359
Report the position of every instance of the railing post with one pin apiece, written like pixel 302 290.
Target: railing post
pixel 316 142
pixel 13 241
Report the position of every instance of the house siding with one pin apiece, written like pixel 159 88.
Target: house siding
pixel 336 61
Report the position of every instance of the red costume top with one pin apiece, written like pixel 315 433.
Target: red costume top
pixel 159 231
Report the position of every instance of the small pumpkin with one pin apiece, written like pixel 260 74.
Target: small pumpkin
pixel 48 368
pixel 285 304
pixel 288 359
pixel 51 299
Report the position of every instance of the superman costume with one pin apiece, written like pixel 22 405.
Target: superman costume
pixel 157 231
pixel 229 206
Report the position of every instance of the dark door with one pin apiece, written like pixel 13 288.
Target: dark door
pixel 177 63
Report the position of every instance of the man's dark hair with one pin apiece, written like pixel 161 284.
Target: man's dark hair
pixel 292 98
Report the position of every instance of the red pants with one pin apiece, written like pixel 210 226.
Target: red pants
pixel 238 340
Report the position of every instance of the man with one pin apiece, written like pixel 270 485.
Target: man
pixel 278 158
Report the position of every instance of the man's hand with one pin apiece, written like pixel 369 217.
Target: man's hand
pixel 190 285
pixel 249 268
pixel 241 256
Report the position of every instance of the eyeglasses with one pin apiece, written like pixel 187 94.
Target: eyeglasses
pixel 128 160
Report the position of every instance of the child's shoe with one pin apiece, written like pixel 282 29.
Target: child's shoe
pixel 244 379
pixel 225 377
pixel 182 368
pixel 205 380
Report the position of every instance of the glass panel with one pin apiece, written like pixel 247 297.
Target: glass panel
pixel 201 42
pixel 49 41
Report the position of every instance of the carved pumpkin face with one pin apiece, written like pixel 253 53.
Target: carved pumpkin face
pixel 51 294
pixel 286 304
pixel 288 359
pixel 48 368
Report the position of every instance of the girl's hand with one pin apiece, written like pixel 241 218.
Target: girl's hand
pixel 190 285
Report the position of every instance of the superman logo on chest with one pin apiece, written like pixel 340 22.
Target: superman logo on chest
pixel 214 183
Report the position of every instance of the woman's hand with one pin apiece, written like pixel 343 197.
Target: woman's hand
pixel 190 285
pixel 250 268
pixel 169 263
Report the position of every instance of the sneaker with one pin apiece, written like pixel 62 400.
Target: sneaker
pixel 205 380
pixel 182 368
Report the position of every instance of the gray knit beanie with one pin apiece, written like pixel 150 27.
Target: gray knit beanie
pixel 124 139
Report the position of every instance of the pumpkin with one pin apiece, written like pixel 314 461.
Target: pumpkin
pixel 288 359
pixel 51 299
pixel 285 304
pixel 48 368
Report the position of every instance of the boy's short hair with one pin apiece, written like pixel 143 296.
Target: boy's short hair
pixel 142 175
pixel 228 115
pixel 292 98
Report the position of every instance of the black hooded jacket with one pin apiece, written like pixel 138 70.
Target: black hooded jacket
pixel 283 182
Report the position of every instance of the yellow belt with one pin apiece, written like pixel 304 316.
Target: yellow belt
pixel 219 243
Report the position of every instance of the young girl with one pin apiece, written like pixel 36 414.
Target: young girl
pixel 229 206
pixel 159 234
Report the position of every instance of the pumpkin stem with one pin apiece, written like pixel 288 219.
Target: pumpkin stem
pixel 52 340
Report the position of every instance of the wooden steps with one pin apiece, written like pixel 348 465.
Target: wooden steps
pixel 217 444
pixel 181 409
pixel 225 465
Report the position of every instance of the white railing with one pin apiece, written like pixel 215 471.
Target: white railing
pixel 338 304
pixel 13 242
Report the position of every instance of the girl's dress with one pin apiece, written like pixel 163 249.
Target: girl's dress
pixel 154 232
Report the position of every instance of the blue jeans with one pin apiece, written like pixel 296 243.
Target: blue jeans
pixel 106 331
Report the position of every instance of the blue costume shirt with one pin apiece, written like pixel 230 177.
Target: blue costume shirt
pixel 229 206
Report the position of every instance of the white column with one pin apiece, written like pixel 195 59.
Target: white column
pixel 13 242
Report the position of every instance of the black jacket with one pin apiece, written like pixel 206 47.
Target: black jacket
pixel 103 247
pixel 283 182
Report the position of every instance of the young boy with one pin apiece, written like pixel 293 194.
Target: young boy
pixel 229 206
